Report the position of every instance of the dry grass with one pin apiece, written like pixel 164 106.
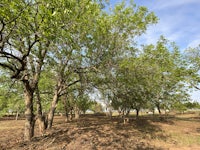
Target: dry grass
pixel 99 132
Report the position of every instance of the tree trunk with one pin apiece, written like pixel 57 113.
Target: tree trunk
pixel 42 124
pixel 153 111
pixel 29 115
pixel 66 107
pixel 84 112
pixel 67 115
pixel 137 112
pixel 52 110
pixel 127 112
pixel 123 112
pixel 109 113
pixel 71 114
pixel 17 115
pixel 158 107
pixel 77 112
pixel 77 115
pixel 119 113
pixel 40 116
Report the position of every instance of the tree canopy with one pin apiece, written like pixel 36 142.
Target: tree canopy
pixel 59 52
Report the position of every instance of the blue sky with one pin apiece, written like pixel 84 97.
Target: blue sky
pixel 179 21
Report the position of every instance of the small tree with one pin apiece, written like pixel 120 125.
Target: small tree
pixel 96 107
pixel 192 105
pixel 180 107
pixel 84 103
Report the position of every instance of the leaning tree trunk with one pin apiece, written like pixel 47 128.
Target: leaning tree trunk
pixel 29 115
pixel 52 110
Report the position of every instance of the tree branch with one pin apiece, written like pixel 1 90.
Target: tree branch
pixel 196 87
pixel 9 55
pixel 7 66
pixel 73 83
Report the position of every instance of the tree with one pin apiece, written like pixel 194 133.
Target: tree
pixel 96 108
pixel 72 37
pixel 192 105
pixel 126 23
pixel 168 78
pixel 27 30
pixel 134 74
pixel 68 58
pixel 86 52
pixel 180 107
pixel 193 57
pixel 154 77
pixel 84 104
pixel 11 96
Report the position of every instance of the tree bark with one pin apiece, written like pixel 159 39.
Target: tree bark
pixel 52 110
pixel 17 115
pixel 29 115
pixel 66 107
pixel 71 114
pixel 127 112
pixel 40 116
pixel 77 112
pixel 67 117
pixel 137 112
pixel 109 113
pixel 158 107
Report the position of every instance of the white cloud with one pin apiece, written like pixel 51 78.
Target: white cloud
pixel 173 3
pixel 194 43
pixel 167 27
pixel 179 21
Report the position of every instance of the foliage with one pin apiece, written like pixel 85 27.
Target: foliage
pixel 180 107
pixel 155 77
pixel 84 103
pixel 96 107
pixel 193 57
pixel 69 48
pixel 11 97
pixel 192 105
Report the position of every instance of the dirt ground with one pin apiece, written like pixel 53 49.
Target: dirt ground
pixel 98 132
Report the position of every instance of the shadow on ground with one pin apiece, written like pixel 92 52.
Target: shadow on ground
pixel 99 133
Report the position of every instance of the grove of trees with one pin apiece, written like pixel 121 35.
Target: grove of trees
pixel 55 53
